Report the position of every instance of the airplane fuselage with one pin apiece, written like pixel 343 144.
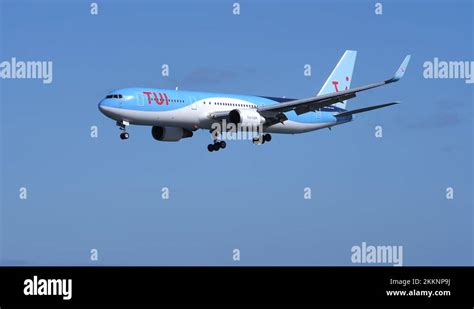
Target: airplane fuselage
pixel 190 110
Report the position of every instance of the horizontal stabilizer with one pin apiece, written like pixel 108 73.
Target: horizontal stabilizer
pixel 365 109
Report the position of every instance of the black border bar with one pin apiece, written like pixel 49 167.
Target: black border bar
pixel 239 285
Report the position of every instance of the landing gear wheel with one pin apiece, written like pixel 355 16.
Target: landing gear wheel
pixel 216 146
pixel 267 137
pixel 124 135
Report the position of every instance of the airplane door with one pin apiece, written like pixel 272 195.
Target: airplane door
pixel 193 103
pixel 140 98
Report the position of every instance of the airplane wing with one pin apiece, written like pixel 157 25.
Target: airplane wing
pixel 302 106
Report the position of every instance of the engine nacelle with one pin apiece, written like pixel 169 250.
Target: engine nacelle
pixel 170 134
pixel 246 117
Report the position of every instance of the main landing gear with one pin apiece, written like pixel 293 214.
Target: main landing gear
pixel 260 140
pixel 216 146
pixel 123 127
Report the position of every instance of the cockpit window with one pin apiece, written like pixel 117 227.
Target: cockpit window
pixel 114 96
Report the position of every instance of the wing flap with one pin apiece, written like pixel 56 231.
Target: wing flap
pixel 310 107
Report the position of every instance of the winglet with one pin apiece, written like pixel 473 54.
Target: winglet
pixel 401 70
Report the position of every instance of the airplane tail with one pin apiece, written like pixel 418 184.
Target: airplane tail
pixel 341 77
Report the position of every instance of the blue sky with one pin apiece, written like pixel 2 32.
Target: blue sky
pixel 103 193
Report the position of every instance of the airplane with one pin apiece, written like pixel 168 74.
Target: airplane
pixel 176 114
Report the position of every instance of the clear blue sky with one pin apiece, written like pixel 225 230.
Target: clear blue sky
pixel 104 193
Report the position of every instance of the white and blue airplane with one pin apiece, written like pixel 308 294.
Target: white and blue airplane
pixel 176 114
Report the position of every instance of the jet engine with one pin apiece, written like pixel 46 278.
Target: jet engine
pixel 170 134
pixel 246 117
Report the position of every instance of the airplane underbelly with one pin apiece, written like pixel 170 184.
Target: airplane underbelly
pixel 178 118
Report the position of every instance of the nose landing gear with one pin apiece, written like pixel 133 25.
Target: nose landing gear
pixel 123 127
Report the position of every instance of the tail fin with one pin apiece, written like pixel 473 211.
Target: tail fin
pixel 341 76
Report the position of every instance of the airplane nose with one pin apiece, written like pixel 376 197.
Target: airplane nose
pixel 106 108
pixel 101 107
